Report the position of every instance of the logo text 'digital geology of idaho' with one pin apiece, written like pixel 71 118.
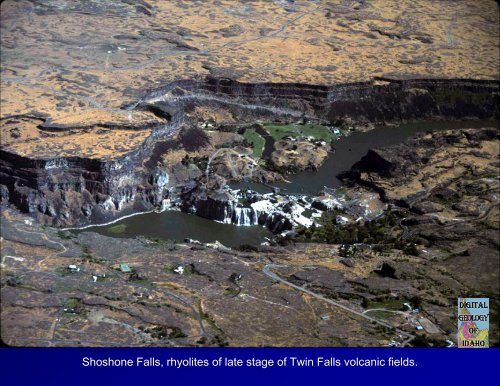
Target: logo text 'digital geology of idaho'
pixel 473 322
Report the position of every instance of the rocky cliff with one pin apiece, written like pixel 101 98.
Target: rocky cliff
pixel 434 172
pixel 73 191
pixel 382 100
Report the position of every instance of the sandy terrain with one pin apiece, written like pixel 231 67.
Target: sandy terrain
pixel 75 61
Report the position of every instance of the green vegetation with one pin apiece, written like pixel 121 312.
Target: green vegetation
pixel 171 268
pixel 372 232
pixel 379 233
pixel 381 314
pixel 424 340
pixel 189 269
pixel 66 235
pixel 389 303
pixel 143 280
pixel 87 254
pixel 159 332
pixel 170 244
pixel 416 301
pixel 75 306
pixel 176 332
pixel 118 229
pixel 231 291
pixel 199 162
pixel 255 141
pixel 139 279
pixel 63 271
pixel 247 248
pixel 218 338
pixel 319 132
pixel 202 340
pixel 279 132
pixel 411 249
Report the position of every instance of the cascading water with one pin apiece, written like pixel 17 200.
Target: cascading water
pixel 244 216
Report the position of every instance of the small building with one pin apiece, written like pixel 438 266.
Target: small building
pixel 73 268
pixel 125 268
pixel 98 276
pixel 341 220
pixel 393 343
pixel 235 277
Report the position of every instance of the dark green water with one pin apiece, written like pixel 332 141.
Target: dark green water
pixel 348 150
pixel 174 225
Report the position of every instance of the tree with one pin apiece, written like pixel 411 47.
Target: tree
pixel 416 301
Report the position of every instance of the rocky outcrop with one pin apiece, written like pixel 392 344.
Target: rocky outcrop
pixel 298 155
pixel 76 191
pixel 73 191
pixel 66 191
pixel 383 100
pixel 422 173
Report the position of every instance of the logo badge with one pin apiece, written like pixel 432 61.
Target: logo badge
pixel 473 322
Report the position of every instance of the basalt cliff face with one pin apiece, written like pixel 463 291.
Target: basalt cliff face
pixel 450 173
pixel 383 100
pixel 74 191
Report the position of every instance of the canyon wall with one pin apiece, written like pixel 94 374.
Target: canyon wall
pixel 76 191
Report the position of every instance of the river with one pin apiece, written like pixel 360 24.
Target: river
pixel 174 225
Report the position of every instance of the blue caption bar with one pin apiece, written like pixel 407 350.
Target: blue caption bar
pixel 246 366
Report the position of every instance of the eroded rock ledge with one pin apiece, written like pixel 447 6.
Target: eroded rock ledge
pixel 75 191
pixel 431 169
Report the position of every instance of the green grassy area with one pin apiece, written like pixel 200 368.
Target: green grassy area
pixel 381 314
pixel 379 232
pixel 66 235
pixel 75 306
pixel 389 304
pixel 232 291
pixel 256 140
pixel 118 229
pixel 319 132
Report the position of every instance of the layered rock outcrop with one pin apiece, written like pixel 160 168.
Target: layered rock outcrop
pixel 432 169
pixel 383 100
pixel 70 191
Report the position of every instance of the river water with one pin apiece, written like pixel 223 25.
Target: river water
pixel 349 150
pixel 174 225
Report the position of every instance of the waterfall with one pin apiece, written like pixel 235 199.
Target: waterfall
pixel 165 204
pixel 227 216
pixel 108 204
pixel 162 179
pixel 244 216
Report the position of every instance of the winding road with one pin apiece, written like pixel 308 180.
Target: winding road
pixel 267 271
pixel 62 249
pixel 44 237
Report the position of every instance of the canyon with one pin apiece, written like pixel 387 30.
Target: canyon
pixel 76 191
pixel 221 173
